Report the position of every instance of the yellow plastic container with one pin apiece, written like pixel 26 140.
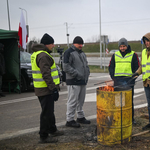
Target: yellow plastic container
pixel 114 119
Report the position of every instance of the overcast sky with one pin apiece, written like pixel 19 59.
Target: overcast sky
pixel 119 18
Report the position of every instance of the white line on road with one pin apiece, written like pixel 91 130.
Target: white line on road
pixel 89 97
pixel 95 77
pixel 34 97
pixel 139 90
pixel 18 100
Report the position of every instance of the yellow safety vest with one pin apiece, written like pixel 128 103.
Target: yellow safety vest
pixel 37 75
pixel 145 65
pixel 123 64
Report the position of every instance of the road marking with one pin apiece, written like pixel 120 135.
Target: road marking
pixel 34 97
pixel 91 97
pixel 18 100
pixel 140 106
pixel 138 95
pixel 138 90
pixel 95 77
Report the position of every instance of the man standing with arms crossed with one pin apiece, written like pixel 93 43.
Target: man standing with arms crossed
pixel 144 69
pixel 46 83
pixel 77 72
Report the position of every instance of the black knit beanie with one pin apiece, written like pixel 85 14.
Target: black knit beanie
pixel 78 40
pixel 123 41
pixel 47 39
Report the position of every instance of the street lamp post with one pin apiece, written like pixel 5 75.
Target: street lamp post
pixel 100 33
pixel 8 15
pixel 67 34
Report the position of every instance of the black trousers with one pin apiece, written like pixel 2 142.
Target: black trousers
pixel 47 117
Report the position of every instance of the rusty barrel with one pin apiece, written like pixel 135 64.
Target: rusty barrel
pixel 114 117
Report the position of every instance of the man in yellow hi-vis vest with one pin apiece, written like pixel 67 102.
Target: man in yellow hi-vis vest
pixel 46 84
pixel 122 65
pixel 144 69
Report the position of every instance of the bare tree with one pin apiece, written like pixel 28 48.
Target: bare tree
pixel 34 40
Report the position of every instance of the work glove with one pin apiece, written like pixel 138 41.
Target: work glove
pixel 55 94
pixel 135 74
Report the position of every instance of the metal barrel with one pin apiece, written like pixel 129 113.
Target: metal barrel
pixel 114 117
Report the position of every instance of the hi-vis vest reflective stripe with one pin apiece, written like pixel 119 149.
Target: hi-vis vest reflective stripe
pixel 145 65
pixel 36 73
pixel 123 64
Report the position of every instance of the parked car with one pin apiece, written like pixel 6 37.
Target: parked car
pixel 26 72
pixel 113 51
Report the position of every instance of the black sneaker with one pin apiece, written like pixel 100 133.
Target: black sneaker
pixel 72 123
pixel 57 133
pixel 147 127
pixel 83 120
pixel 48 140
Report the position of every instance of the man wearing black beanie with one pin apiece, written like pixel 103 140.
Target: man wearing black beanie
pixel 47 39
pixel 46 84
pixel 77 72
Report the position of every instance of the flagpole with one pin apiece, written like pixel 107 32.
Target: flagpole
pixel 26 15
pixel 8 15
pixel 27 26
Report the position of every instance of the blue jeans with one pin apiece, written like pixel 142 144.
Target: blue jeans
pixel 147 92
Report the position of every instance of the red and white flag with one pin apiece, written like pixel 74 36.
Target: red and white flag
pixel 22 33
pixel 107 51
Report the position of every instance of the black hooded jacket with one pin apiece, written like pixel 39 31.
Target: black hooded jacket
pixel 134 65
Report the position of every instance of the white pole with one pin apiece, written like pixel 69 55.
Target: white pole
pixel 104 55
pixel 100 33
pixel 8 15
pixel 67 34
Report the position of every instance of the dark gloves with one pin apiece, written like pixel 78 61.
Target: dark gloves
pixel 149 77
pixel 55 94
pixel 135 74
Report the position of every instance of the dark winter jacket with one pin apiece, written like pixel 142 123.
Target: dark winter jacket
pixel 134 65
pixel 44 62
pixel 139 71
pixel 76 66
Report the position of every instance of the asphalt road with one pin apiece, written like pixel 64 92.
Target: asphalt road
pixel 93 60
pixel 20 113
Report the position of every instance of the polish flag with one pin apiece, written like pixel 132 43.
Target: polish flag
pixel 22 33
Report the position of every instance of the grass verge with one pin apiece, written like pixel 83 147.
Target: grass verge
pixel 98 69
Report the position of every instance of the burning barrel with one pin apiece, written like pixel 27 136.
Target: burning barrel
pixel 114 115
